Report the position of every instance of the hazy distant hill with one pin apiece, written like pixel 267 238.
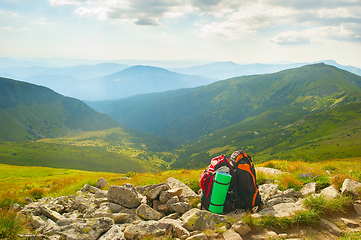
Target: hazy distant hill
pixel 224 70
pixel 79 72
pixel 135 80
pixel 30 112
pixel 195 113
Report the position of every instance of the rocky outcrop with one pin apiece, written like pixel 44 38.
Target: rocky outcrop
pixel 163 210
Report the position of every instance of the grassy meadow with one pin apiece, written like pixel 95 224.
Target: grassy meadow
pixel 19 182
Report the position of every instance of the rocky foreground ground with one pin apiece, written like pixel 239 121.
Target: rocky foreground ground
pixel 164 211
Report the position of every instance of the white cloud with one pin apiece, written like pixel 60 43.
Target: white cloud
pixel 8 28
pixel 291 38
pixel 234 19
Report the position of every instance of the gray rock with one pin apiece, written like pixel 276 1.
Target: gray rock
pixel 350 188
pixel 125 195
pixel 181 207
pixel 178 230
pixel 332 228
pixel 308 188
pixel 148 229
pixel 231 235
pixel 168 194
pixel 241 228
pixel 196 219
pixel 281 210
pixel 101 183
pixel 171 201
pixel 187 191
pixel 144 189
pixel 349 223
pixel 46 226
pixel 120 217
pixel 357 207
pixel 81 229
pixel 114 233
pixel 15 207
pixel 155 204
pixel 36 221
pixel 267 190
pixel 99 201
pixel 154 193
pixel 112 207
pixel 101 194
pixel 199 236
pixel 55 216
pixel 148 213
pixel 163 208
pixel 268 171
pixel 132 215
pixel 258 237
pixel 90 189
pixel 330 192
pixel 278 200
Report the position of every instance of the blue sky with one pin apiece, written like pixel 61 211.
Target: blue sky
pixel 243 31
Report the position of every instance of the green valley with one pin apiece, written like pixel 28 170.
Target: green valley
pixel 309 113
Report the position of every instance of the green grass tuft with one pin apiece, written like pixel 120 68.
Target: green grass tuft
pixel 11 224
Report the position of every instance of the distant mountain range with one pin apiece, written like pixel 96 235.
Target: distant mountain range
pixel 189 114
pixel 80 72
pixel 128 82
pixel 224 70
pixel 108 81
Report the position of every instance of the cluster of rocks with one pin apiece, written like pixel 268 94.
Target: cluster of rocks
pixel 162 210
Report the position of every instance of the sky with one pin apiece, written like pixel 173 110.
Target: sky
pixel 242 31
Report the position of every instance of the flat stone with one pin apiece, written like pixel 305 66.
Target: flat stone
pixel 231 235
pixel 349 223
pixel 200 236
pixel 281 210
pixel 332 228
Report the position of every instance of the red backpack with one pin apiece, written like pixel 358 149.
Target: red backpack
pixel 206 180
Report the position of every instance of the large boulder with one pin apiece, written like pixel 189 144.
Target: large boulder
pixel 150 229
pixel 187 191
pixel 125 195
pixel 181 207
pixel 267 190
pixel 308 188
pixel 200 220
pixel 350 187
pixel 101 183
pixel 148 213
pixel 330 192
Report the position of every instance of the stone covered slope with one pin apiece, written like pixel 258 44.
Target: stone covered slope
pixel 163 210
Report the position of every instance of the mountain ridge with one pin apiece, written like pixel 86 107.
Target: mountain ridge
pixel 224 103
